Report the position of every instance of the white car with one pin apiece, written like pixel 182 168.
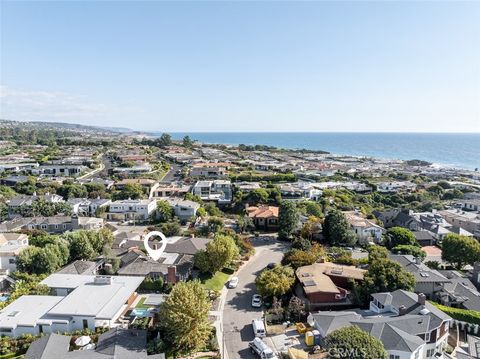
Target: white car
pixel 256 301
pixel 233 282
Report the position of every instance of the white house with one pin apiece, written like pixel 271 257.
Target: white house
pixel 219 191
pixel 137 209
pixel 365 229
pixel 395 186
pixel 184 209
pixel 11 244
pixel 81 302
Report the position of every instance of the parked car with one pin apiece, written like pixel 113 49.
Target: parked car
pixel 256 301
pixel 259 347
pixel 258 328
pixel 233 282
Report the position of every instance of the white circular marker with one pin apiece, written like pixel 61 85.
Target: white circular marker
pixel 155 254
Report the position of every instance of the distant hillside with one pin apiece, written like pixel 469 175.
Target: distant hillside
pixel 63 126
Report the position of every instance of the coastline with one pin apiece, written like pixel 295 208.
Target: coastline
pixel 459 151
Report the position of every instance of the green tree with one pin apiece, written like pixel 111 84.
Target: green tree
pixel 219 252
pixel 275 282
pixel 187 142
pixel 72 190
pixel 130 191
pixel 460 250
pixel 415 251
pixel 171 229
pixel 354 343
pixel 400 236
pixel 81 248
pixel 298 258
pixel 258 195
pixel 288 219
pixel 165 140
pixel 337 230
pixel 313 209
pixel 213 210
pixel 165 211
pixel 383 275
pixel 214 224
pixel 184 317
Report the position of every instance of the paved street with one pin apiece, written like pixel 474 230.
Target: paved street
pixel 170 175
pixel 238 312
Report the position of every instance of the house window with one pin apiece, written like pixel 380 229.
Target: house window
pixel 430 352
pixel 394 356
pixel 427 337
pixel 12 261
pixel 85 323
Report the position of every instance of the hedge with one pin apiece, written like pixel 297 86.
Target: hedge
pixel 464 315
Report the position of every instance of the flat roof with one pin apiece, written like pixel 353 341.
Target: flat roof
pixel 27 310
pixel 96 299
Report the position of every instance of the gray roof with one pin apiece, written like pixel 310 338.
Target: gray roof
pixel 410 301
pixel 49 346
pixel 421 272
pixel 187 245
pixel 79 267
pixel 117 343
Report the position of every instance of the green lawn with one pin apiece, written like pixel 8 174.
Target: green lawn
pixel 140 304
pixel 215 282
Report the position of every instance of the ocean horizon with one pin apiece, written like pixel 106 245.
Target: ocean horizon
pixel 458 150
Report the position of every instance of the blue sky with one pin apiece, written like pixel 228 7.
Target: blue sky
pixel 243 66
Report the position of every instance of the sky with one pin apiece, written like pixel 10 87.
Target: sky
pixel 243 66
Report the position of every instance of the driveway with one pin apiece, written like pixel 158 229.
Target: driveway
pixel 170 175
pixel 238 312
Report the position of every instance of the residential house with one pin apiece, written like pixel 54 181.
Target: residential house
pixel 211 171
pixel 299 191
pixel 11 181
pixel 395 186
pixel 175 264
pixel 142 167
pixel 471 205
pixel 428 281
pixel 170 190
pixel 87 206
pixel 80 302
pixel 52 225
pixel 148 185
pixel 459 292
pixel 16 203
pixel 264 217
pixel 365 230
pixel 408 326
pixel 131 209
pixel 81 266
pixel 328 283
pixel 469 221
pixel 11 245
pixel 118 343
pixel 59 170
pixel 219 191
pixel 185 210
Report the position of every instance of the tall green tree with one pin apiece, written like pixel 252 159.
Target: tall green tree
pixel 219 252
pixel 184 317
pixel 288 219
pixel 383 275
pixel 165 140
pixel 460 250
pixel 187 142
pixel 337 230
pixel 397 236
pixel 165 211
pixel 130 191
pixel 352 342
pixel 275 282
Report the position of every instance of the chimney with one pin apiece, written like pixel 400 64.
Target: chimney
pixel 418 260
pixel 402 310
pixel 172 275
pixel 421 299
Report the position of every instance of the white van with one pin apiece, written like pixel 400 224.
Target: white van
pixel 258 328
pixel 261 349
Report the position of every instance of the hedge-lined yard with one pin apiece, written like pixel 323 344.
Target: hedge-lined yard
pixel 464 315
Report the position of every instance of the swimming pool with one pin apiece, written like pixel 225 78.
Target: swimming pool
pixel 140 312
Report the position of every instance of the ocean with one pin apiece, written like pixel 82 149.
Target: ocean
pixel 459 150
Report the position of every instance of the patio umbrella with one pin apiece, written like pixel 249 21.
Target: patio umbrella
pixel 83 340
